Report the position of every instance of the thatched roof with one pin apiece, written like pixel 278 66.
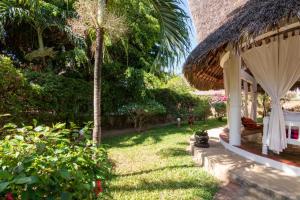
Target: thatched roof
pixel 244 20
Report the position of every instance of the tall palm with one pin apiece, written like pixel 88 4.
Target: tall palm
pixel 173 45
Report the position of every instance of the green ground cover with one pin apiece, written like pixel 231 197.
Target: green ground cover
pixel 155 165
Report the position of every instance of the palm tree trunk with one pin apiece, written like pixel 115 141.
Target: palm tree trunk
pixel 41 42
pixel 97 85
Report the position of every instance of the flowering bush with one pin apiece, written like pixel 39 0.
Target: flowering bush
pixel 218 102
pixel 51 163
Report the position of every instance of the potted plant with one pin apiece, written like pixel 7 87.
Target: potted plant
pixel 201 139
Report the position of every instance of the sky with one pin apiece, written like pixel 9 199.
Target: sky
pixel 178 70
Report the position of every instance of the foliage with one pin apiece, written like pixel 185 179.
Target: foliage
pixel 201 132
pixel 220 108
pixel 140 112
pixel 176 104
pixel 264 103
pixel 51 163
pixel 159 33
pixel 203 109
pixel 13 87
pixel 179 84
pixel 218 102
pixel 69 99
pixel 40 15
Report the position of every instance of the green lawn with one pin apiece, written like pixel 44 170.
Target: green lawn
pixel 155 165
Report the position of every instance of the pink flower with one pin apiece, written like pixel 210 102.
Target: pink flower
pixel 9 196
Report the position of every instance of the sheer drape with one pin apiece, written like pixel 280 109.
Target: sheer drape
pixel 276 67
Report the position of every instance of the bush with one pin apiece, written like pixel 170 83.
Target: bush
pixel 176 104
pixel 203 109
pixel 141 112
pixel 13 87
pixel 51 163
pixel 65 98
pixel 220 108
pixel 218 102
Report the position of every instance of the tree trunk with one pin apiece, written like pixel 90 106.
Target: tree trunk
pixel 97 85
pixel 41 42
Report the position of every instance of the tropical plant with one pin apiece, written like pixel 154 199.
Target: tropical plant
pixel 40 15
pixel 201 132
pixel 174 38
pixel 40 162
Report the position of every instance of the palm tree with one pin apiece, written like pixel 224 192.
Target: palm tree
pixel 173 45
pixel 39 14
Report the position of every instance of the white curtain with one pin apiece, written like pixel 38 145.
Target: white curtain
pixel 276 67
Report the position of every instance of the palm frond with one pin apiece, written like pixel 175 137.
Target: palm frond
pixel 174 24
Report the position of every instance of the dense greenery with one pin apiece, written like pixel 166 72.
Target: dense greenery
pixel 56 83
pixel 39 162
pixel 47 51
pixel 49 97
pixel 162 168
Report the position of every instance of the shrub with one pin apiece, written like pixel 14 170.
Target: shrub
pixel 179 84
pixel 220 108
pixel 13 87
pixel 203 109
pixel 176 104
pixel 218 102
pixel 141 112
pixel 65 98
pixel 51 163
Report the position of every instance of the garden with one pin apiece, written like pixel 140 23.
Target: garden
pixel 72 70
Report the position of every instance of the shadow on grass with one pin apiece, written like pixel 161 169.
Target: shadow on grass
pixel 182 143
pixel 156 170
pixel 157 134
pixel 168 185
pixel 171 152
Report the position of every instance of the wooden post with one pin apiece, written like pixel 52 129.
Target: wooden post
pixel 254 101
pixel 245 84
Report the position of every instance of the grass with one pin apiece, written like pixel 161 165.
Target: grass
pixel 155 165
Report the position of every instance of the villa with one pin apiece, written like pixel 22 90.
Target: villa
pixel 246 46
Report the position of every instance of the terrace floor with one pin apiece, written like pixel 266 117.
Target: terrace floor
pixel 290 156
pixel 244 179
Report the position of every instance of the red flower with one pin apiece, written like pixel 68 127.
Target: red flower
pixel 9 196
pixel 99 188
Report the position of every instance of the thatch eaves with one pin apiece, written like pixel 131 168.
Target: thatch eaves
pixel 250 19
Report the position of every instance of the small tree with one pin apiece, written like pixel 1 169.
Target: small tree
pixel 40 15
pixel 141 112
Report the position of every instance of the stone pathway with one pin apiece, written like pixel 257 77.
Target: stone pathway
pixel 244 179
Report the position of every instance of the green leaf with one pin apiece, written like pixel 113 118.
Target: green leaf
pixel 19 137
pixel 3 186
pixel 10 126
pixel 26 180
pixel 65 174
pixel 66 196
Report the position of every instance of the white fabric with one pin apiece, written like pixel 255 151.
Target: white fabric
pixel 276 67
pixel 292 116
